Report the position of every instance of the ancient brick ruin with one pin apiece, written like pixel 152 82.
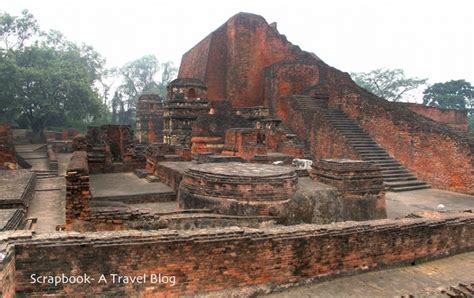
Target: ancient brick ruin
pixel 7 150
pixel 263 168
pixel 250 64
pixel 186 100
pixel 149 119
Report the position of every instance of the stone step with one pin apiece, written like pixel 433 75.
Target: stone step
pixel 361 142
pixel 398 170
pixel 344 125
pixel 388 162
pixel 353 137
pixel 367 147
pixel 347 130
pixel 395 167
pixel 371 151
pixel 374 156
pixel 397 175
pixel 347 123
pixel 370 154
pixel 399 179
pixel 152 179
pixel 379 159
pixel 404 183
pixel 409 188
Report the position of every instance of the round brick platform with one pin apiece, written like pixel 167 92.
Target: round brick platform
pixel 237 188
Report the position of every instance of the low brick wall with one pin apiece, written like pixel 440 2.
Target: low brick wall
pixel 454 118
pixel 168 175
pixel 232 259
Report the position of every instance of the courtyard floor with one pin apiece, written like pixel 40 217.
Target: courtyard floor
pixel 400 204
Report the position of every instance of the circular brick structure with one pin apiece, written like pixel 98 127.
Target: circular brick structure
pixel 237 188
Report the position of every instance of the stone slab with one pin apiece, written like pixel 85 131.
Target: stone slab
pixel 127 187
pixel 14 185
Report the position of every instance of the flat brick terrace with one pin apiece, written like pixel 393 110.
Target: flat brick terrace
pixel 422 280
pixel 128 188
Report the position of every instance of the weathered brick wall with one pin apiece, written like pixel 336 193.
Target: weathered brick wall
pixel 283 79
pixel 196 60
pixel 149 119
pixel 230 259
pixel 7 150
pixel 437 154
pixel 454 118
pixel 77 189
pixel 167 175
pixel 208 131
pixel 235 58
pixel 245 142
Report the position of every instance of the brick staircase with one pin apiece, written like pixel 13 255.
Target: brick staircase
pixel 396 176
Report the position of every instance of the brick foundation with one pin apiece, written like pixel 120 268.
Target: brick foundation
pixel 237 188
pixel 224 261
pixel 360 184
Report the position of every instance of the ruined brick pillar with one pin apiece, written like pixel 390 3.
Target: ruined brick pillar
pixel 77 189
pixel 360 184
pixel 7 150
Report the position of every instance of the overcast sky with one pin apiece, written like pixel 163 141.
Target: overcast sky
pixel 428 39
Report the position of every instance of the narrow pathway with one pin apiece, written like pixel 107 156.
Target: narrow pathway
pixel 48 204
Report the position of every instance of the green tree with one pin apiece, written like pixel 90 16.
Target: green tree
pixel 455 94
pixel 15 31
pixel 139 77
pixel 390 84
pixel 50 82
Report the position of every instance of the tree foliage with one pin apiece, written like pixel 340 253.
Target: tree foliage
pixel 46 80
pixel 137 77
pixel 455 94
pixel 390 84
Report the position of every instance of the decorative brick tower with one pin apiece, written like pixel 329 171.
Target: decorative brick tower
pixel 150 119
pixel 186 100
